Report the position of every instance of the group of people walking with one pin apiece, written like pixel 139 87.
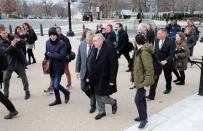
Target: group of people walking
pixel 97 63
pixel 13 58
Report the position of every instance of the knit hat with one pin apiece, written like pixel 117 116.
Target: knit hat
pixel 110 25
pixel 52 31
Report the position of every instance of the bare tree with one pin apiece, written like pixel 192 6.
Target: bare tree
pixel 47 7
pixel 8 6
pixel 60 10
pixel 22 8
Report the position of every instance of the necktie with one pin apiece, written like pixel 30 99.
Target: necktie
pixel 98 51
pixel 162 42
pixel 89 51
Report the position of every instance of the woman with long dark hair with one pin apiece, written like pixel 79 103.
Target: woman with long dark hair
pixel 30 38
pixel 150 35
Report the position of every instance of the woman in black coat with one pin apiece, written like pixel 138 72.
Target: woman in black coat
pixel 150 35
pixel 31 37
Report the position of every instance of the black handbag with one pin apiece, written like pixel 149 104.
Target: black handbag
pixel 70 57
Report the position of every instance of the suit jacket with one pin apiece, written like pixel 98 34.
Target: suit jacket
pixel 122 41
pixel 167 51
pixel 103 70
pixel 82 60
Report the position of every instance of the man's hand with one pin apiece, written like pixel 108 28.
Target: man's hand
pixel 14 42
pixel 87 80
pixel 147 88
pixel 163 62
pixel 111 84
pixel 78 76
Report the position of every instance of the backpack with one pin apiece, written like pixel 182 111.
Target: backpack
pixel 3 60
pixel 157 65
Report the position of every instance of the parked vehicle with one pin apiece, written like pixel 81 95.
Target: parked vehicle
pixel 87 16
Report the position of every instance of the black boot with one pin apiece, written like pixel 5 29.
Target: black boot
pixel 142 124
pixel 34 61
pixel 11 115
pixel 58 99
pixel 66 93
pixel 27 95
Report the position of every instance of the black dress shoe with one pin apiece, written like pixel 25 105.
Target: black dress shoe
pixel 67 98
pixel 149 98
pixel 167 91
pixel 137 119
pixel 177 80
pixel 11 115
pixel 180 83
pixel 114 107
pixel 142 124
pixel 27 95
pixel 55 103
pixel 99 116
pixel 93 109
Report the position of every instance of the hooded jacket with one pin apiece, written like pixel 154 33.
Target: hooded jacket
pixel 143 67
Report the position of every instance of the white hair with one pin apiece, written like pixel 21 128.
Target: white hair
pixel 100 36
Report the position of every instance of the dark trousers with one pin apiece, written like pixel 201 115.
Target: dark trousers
pixel 30 55
pixel 55 82
pixel 7 76
pixel 168 75
pixel 127 56
pixel 191 51
pixel 180 75
pixel 6 102
pixel 89 92
pixel 141 103
pixel 152 91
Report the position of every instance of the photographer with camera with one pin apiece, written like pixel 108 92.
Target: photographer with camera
pixel 4 100
pixel 181 58
pixel 11 46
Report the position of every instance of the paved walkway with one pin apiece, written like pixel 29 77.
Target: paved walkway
pixel 185 115
pixel 36 115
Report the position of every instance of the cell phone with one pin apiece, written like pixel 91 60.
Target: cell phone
pixel 17 39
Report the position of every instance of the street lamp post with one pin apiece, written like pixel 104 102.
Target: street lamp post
pixel 98 13
pixel 70 32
